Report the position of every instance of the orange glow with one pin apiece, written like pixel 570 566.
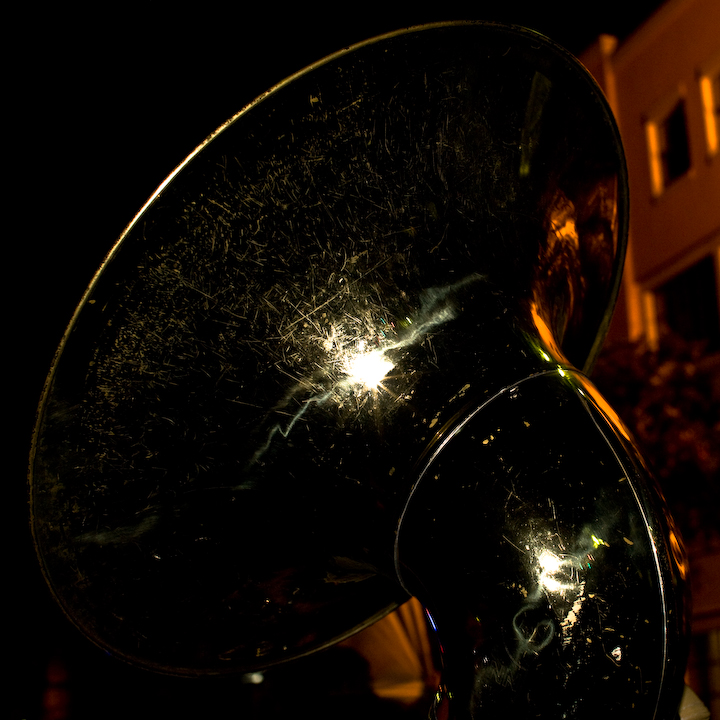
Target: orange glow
pixel 546 334
pixel 603 406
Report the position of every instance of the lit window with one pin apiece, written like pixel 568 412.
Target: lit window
pixel 710 91
pixel 668 148
pixel 687 305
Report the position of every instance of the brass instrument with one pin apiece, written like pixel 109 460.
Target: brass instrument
pixel 339 359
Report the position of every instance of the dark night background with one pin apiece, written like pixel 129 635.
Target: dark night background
pixel 103 102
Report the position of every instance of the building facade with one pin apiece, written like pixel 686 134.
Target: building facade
pixel 663 83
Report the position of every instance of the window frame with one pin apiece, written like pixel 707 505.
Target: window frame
pixel 709 88
pixel 650 290
pixel 656 149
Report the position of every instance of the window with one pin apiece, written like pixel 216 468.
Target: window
pixel 668 148
pixel 710 92
pixel 687 305
pixel 674 149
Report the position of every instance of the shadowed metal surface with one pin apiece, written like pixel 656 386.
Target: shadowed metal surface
pixel 298 322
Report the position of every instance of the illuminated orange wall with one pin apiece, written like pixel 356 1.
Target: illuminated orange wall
pixel 643 77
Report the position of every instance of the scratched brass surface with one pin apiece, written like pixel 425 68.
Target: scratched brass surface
pixel 296 321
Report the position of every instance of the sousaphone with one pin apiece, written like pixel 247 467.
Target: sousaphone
pixel 338 359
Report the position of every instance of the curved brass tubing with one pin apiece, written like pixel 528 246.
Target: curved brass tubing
pixel 542 552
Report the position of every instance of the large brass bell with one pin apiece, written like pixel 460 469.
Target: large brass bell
pixel 338 359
